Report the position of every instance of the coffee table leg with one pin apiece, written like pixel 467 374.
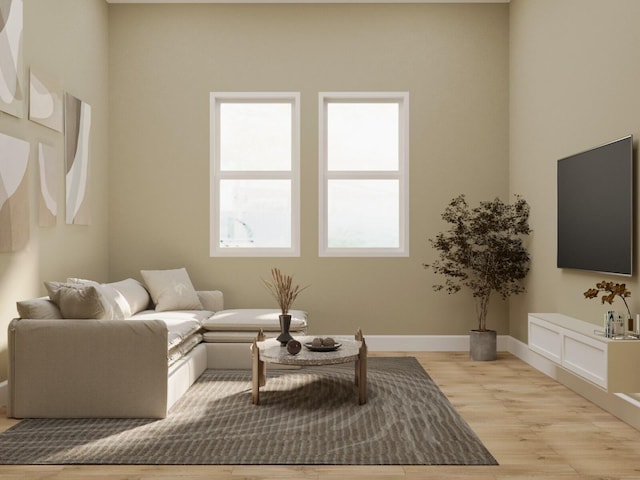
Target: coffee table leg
pixel 361 369
pixel 258 369
pixel 262 366
pixel 262 373
pixel 255 373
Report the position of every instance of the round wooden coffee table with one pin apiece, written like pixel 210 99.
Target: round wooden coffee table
pixel 263 351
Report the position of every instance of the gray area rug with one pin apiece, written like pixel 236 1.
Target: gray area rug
pixel 309 417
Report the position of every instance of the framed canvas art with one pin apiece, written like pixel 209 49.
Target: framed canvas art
pixel 12 94
pixel 77 129
pixel 45 101
pixel 14 193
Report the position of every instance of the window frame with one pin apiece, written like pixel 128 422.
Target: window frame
pixel 402 174
pixel 217 175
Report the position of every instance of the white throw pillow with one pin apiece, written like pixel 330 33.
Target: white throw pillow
pixel 171 289
pixel 132 293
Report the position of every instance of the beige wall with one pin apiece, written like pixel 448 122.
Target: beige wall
pixel 574 70
pixel 68 41
pixel 164 61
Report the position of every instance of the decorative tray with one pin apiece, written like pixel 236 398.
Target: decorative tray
pixel 323 348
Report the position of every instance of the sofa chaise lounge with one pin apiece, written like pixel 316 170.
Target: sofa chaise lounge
pixel 123 350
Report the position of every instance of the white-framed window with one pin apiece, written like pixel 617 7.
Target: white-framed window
pixel 255 170
pixel 364 174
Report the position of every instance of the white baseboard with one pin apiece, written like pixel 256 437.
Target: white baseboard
pixel 4 392
pixel 521 350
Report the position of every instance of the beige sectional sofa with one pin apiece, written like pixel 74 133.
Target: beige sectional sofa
pixel 124 349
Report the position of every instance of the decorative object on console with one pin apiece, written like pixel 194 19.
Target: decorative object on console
pixel 12 94
pixel 282 289
pixel 14 193
pixel 77 128
pixel 610 291
pixel 483 251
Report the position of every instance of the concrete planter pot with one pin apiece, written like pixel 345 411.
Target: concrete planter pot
pixel 483 346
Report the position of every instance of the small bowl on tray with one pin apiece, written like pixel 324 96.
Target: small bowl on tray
pixel 322 348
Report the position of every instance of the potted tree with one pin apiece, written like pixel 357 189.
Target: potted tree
pixel 483 251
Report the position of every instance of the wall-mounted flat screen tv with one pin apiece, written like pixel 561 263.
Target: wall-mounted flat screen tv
pixel 595 209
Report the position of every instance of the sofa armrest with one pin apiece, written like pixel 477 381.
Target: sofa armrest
pixel 87 368
pixel 212 300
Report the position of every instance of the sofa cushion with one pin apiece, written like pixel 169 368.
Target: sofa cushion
pixel 171 289
pixel 234 337
pixel 38 308
pixel 132 294
pixel 180 323
pixel 179 351
pixel 81 301
pixel 253 319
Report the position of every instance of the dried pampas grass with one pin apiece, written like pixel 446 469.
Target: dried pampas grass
pixel 282 289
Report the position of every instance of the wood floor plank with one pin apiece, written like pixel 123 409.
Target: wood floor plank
pixel 535 427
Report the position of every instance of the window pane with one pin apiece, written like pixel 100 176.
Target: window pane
pixel 362 136
pixel 255 136
pixel 363 214
pixel 255 213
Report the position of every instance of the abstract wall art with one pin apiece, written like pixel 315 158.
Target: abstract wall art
pixel 48 168
pixel 14 193
pixel 45 101
pixel 11 72
pixel 77 129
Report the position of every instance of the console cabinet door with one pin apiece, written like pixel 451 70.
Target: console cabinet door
pixel 546 339
pixel 585 357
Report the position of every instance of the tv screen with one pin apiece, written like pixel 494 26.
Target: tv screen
pixel 595 209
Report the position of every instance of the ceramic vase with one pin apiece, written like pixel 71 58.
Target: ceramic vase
pixel 285 324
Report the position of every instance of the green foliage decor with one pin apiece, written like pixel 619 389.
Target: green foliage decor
pixel 483 250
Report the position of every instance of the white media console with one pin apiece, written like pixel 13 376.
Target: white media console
pixel 572 344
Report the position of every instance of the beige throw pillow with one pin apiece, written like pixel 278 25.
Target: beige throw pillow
pixel 171 289
pixel 76 300
pixel 113 305
pixel 38 308
pixel 211 300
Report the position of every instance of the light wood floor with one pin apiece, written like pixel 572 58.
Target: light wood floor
pixel 535 427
